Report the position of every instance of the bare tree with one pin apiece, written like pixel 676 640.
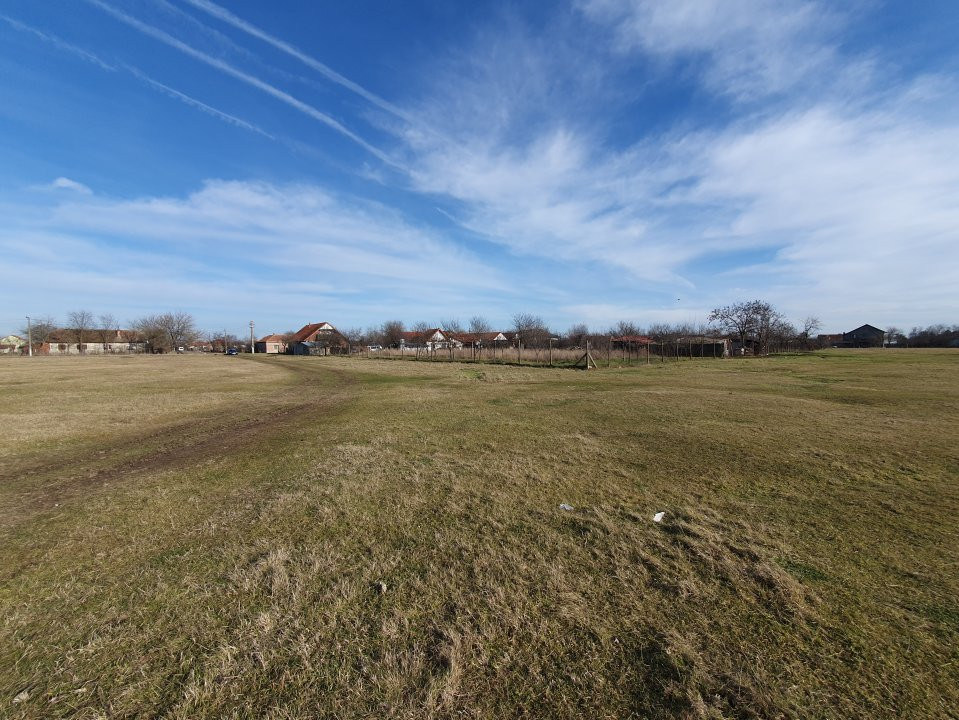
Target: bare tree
pixel 770 325
pixel 665 331
pixel 167 331
pixel 577 335
pixel 782 332
pixel 392 332
pixel 422 326
pixel 374 335
pixel 478 324
pixel 744 319
pixel 229 340
pixel 179 326
pixel 527 322
pixel 624 327
pixel 532 330
pixel 80 321
pixel 934 336
pixel 148 327
pixel 354 337
pixel 109 327
pixel 40 329
pixel 810 326
pixel 452 325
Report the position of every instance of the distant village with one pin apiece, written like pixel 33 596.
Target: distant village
pixel 752 328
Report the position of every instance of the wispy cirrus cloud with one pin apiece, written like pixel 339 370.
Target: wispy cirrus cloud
pixel 291 250
pixel 806 196
pixel 746 48
pixel 807 174
pixel 301 228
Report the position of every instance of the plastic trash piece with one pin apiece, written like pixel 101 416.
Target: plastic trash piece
pixel 564 506
pixel 658 517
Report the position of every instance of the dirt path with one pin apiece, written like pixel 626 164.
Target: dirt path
pixel 184 444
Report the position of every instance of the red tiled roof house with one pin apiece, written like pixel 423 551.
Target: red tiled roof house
pixel 271 344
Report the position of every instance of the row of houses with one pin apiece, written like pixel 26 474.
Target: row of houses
pixel 324 339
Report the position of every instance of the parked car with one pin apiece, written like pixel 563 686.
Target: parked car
pixel 374 348
pixel 232 351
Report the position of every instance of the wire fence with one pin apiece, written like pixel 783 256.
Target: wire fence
pixel 607 354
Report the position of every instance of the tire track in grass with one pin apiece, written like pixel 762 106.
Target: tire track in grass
pixel 179 446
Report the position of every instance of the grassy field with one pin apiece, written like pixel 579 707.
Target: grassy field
pixel 213 537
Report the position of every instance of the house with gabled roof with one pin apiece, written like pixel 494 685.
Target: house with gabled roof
pixel 11 343
pixel 317 339
pixel 481 339
pixel 271 344
pixel 312 332
pixel 864 336
pixel 66 341
pixel 434 339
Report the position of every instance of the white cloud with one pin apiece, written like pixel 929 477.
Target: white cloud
pixel 63 183
pixel 747 47
pixel 301 228
pixel 846 190
pixel 285 249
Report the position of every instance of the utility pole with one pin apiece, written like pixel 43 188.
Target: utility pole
pixel 252 343
pixel 29 338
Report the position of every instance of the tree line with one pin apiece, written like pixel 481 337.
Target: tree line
pixel 925 337
pixel 755 323
pixel 160 331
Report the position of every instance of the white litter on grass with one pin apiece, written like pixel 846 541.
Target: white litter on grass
pixel 21 697
pixel 658 517
pixel 564 506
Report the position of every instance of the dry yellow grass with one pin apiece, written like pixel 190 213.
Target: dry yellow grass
pixel 393 545
pixel 51 404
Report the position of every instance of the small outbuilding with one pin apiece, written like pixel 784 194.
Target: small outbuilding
pixel 271 344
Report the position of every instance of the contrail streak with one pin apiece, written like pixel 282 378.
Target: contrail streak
pixel 193 102
pixel 328 72
pixel 224 67
pixel 54 40
pixel 157 85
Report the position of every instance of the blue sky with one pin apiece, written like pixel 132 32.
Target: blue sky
pixel 589 161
